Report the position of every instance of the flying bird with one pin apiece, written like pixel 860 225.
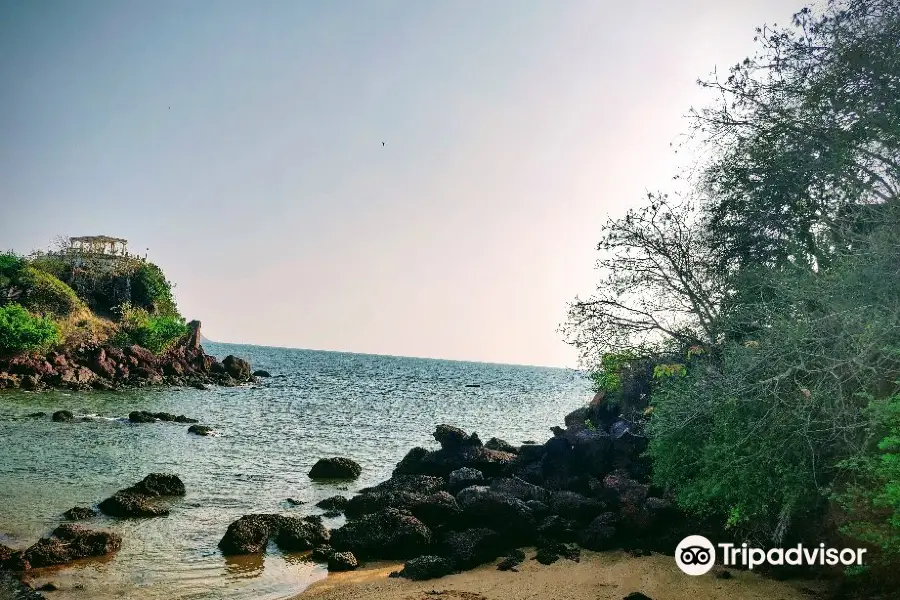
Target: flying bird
pixel 382 143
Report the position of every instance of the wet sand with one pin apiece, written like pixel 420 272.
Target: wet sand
pixel 598 576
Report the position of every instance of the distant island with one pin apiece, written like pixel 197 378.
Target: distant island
pixel 89 314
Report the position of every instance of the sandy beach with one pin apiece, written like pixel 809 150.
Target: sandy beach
pixel 598 576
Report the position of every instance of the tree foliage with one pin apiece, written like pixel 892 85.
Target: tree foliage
pixel 20 331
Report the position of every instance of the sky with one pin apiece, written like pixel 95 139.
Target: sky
pixel 407 178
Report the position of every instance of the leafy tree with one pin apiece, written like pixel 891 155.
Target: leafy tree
pixel 157 333
pixel 20 331
pixel 151 290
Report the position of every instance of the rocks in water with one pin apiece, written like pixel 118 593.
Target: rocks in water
pixel 69 542
pixel 388 534
pixel 332 514
pixel 36 415
pixel 335 468
pixel 294 502
pixel 143 416
pixel 453 438
pixel 79 513
pixel 333 503
pixel 62 416
pixel 322 553
pixel 261 373
pixel 200 429
pixel 342 561
pixel 501 445
pixel 184 419
pixel 427 567
pixel 138 500
pixel 238 368
pixel 251 534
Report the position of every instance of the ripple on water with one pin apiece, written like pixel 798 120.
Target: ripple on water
pixel 369 408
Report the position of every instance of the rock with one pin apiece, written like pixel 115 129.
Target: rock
pixel 141 416
pixel 332 514
pixel 335 468
pixel 79 513
pixel 427 567
pixel 508 564
pixel 251 534
pixel 62 416
pixel 530 452
pixel 184 419
pixel 294 501
pixel 510 516
pixel 420 484
pixel 600 534
pixel 139 356
pixel 472 547
pixel 454 438
pixel 575 506
pixel 237 367
pixel 333 503
pixel 723 574
pixel 538 509
pixel 636 596
pixel 577 417
pixel 138 500
pixel 558 529
pixel 546 556
pixel 322 553
pixel 501 445
pixel 48 587
pixel 342 561
pixel 31 382
pixel 387 534
pixel 446 460
pixel 518 488
pixel 70 542
pixel 261 373
pixel 200 429
pixel 36 415
pixel 463 478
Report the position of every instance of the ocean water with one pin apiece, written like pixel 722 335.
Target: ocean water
pixel 369 408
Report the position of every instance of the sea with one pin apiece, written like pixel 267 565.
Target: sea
pixel 370 408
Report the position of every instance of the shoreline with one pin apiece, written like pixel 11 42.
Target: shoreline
pixel 610 575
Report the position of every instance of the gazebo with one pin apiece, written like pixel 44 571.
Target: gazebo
pixel 99 244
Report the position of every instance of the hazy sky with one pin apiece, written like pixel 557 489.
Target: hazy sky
pixel 241 142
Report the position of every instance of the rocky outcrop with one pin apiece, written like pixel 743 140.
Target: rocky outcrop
pixel 141 499
pixel 67 543
pixel 200 429
pixel 62 416
pixel 251 534
pixel 342 561
pixel 427 567
pixel 108 367
pixel 388 534
pixel 335 468
pixel 80 513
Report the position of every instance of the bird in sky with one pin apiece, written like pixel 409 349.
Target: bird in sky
pixel 382 143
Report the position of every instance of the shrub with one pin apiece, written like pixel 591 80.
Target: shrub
pixel 157 333
pixel 151 290
pixel 45 294
pixel 20 331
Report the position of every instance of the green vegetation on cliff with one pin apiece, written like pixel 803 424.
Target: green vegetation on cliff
pixel 66 299
pixel 768 292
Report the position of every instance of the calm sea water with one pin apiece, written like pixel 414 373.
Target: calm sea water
pixel 369 408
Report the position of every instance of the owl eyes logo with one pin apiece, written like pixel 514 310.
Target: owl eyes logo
pixel 695 555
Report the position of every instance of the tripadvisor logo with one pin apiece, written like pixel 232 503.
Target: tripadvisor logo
pixel 696 555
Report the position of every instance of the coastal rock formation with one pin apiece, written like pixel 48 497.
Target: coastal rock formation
pixel 62 416
pixel 200 429
pixel 139 500
pixel 106 366
pixel 333 503
pixel 427 567
pixel 67 543
pixel 387 534
pixel 342 561
pixel 335 468
pixel 143 416
pixel 79 513
pixel 251 534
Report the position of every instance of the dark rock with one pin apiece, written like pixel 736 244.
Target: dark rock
pixel 48 587
pixel 427 567
pixel 261 373
pixel 322 553
pixel 248 535
pixel 577 417
pixel 453 438
pixel 200 429
pixel 36 415
pixel 129 504
pixel 501 445
pixel 386 534
pixel 723 574
pixel 510 516
pixel 79 513
pixel 141 416
pixel 342 561
pixel 62 416
pixel 70 542
pixel 251 534
pixel 335 468
pixel 332 514
pixel 515 558
pixel 295 535
pixel 518 488
pixel 472 547
pixel 446 460
pixel 237 367
pixel 575 506
pixel 558 529
pixel 294 501
pixel 636 596
pixel 546 556
pixel 463 478
pixel 538 509
pixel 333 503
pixel 600 534
pixel 160 484
pixel 592 452
pixel 164 416
pixel 420 484
pixel 184 419
pixel 530 453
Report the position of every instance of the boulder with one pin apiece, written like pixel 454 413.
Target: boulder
pixel 501 445
pixel 322 553
pixel 184 419
pixel 62 416
pixel 427 567
pixel 261 373
pixel 333 503
pixel 298 534
pixel 435 509
pixel 600 534
pixel 138 500
pixel 453 438
pixel 141 416
pixel 510 516
pixel 463 478
pixel 160 484
pixel 79 513
pixel 518 488
pixel 342 561
pixel 248 535
pixel 558 529
pixel 237 367
pixel 421 484
pixel 70 542
pixel 251 534
pixel 200 429
pixel 575 506
pixel 387 534
pixel 335 468
pixel 442 462
pixel 472 547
